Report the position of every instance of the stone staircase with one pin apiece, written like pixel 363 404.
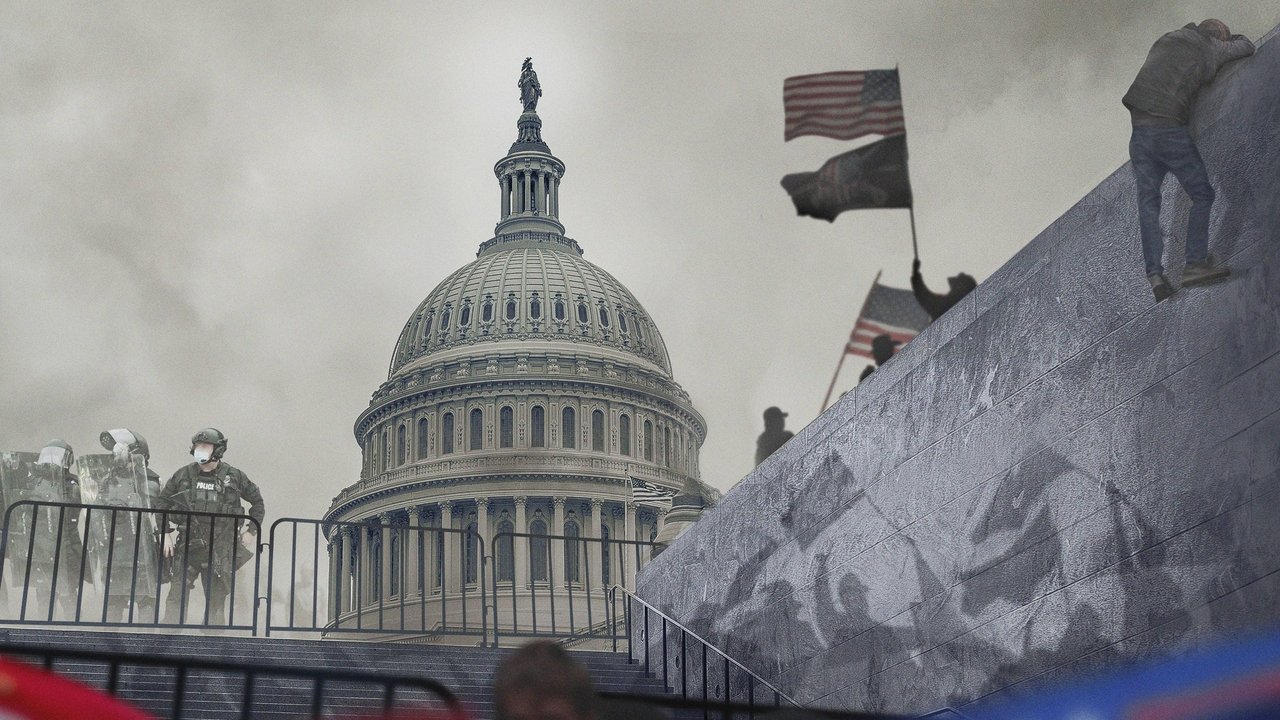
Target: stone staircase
pixel 466 671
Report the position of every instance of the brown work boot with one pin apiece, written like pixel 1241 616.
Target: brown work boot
pixel 1203 273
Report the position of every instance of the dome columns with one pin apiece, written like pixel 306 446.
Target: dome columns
pixel 529 193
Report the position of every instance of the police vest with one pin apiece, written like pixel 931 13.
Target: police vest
pixel 215 493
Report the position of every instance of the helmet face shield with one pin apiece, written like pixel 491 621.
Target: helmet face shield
pixel 56 455
pixel 120 436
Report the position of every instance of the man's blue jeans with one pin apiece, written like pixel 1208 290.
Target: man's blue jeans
pixel 1155 151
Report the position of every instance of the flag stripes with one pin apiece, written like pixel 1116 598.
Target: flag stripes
pixel 843 105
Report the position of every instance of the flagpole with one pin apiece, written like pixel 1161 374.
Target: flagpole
pixel 845 351
pixel 911 209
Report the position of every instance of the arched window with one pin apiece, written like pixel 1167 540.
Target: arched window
pixel 477 430
pixel 666 446
pixel 423 436
pixel 569 423
pixel 624 434
pixel 446 434
pixel 648 440
pixel 505 430
pixel 539 548
pixel 605 560
pixel 504 552
pixel 402 447
pixel 597 431
pixel 572 553
pixel 470 542
pixel 386 451
pixel 538 427
pixel 438 575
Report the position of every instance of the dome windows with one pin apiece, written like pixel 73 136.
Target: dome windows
pixel 446 434
pixel 622 321
pixel 486 309
pixel 535 308
pixel 464 317
pixel 582 311
pixel 506 424
pixel 537 427
pixel 558 309
pixel 604 316
pixel 648 440
pixel 624 434
pixel 597 431
pixel 511 307
pixel 569 422
pixel 423 434
pixel 476 441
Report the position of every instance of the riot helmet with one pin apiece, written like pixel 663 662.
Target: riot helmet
pixel 212 436
pixel 57 452
pixel 123 441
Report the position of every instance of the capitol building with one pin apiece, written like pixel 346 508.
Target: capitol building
pixel 527 395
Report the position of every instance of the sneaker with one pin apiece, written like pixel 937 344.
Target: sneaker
pixel 1203 273
pixel 1160 286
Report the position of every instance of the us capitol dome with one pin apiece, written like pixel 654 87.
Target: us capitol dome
pixel 530 392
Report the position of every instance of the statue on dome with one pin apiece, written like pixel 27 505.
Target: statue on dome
pixel 530 90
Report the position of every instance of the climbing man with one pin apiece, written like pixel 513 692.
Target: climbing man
pixel 1178 65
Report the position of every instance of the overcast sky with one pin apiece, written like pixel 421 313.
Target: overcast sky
pixel 224 213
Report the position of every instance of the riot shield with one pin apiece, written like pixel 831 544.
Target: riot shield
pixel 120 543
pixel 42 541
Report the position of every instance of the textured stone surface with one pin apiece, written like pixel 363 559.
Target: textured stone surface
pixel 1057 475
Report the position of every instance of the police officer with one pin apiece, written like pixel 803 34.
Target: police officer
pixel 51 480
pixel 204 547
pixel 133 573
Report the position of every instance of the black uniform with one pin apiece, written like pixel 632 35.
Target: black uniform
pixel 208 548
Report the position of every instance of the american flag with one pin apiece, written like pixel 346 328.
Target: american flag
pixel 843 105
pixel 888 311
pixel 642 491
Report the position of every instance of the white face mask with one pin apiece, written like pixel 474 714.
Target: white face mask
pixel 201 455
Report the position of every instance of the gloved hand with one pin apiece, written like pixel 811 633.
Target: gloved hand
pixel 170 542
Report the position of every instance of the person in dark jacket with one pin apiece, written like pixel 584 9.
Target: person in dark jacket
pixel 205 546
pixel 934 304
pixel 1160 99
pixel 775 434
pixel 882 349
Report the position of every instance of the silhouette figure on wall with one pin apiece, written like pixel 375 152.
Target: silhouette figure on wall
pixel 882 348
pixel 774 434
pixel 934 304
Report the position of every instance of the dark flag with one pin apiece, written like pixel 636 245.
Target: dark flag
pixel 887 311
pixel 872 176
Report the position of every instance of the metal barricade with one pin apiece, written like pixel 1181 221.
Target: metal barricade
pixel 83 579
pixel 397 580
pixel 555 586
pixel 178 687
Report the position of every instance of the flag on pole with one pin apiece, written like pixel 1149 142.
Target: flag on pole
pixel 872 176
pixel 642 491
pixel 843 105
pixel 888 311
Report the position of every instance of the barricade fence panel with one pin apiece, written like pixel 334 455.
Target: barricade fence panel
pixel 384 578
pixel 109 565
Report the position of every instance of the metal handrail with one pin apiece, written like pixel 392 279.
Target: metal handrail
pixel 686 631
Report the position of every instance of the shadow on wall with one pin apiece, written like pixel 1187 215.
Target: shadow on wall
pixel 846 621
